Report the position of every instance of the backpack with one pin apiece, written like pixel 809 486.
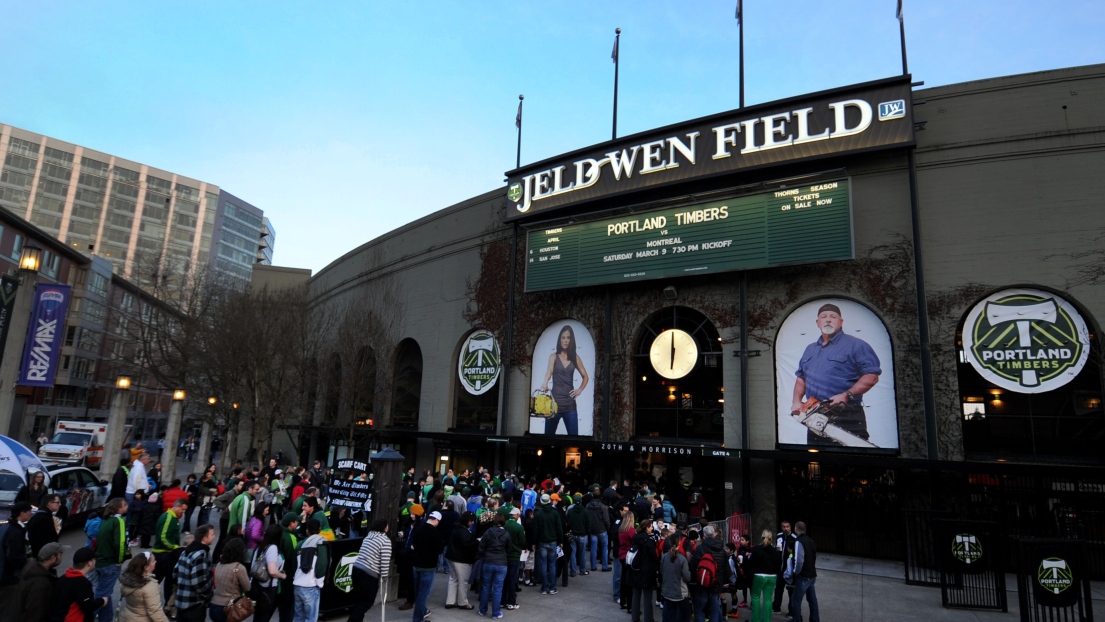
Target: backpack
pixel 705 573
pixel 633 558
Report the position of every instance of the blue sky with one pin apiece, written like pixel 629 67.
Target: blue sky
pixel 344 120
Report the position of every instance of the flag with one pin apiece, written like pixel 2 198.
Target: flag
pixel 518 119
pixel 899 14
pixel 614 52
pixel 739 11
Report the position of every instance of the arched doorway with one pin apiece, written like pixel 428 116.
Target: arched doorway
pixel 406 396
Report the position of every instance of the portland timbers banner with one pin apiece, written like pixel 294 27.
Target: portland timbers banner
pixel 8 285
pixel 1026 340
pixel 478 365
pixel 40 357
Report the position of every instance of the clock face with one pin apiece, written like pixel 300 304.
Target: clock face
pixel 673 354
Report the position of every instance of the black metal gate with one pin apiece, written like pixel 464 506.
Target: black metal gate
pixel 1053 583
pixel 922 562
pixel 972 572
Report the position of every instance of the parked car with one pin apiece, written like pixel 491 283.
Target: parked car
pixel 81 490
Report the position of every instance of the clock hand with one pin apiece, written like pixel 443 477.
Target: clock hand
pixel 672 366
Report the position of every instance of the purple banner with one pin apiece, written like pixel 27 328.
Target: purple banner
pixel 40 357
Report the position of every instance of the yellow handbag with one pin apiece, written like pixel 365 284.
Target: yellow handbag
pixel 542 405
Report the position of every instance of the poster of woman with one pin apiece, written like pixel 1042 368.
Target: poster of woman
pixel 563 361
pixel 835 378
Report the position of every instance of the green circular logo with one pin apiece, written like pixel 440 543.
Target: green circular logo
pixel 478 365
pixel 343 574
pixel 1026 340
pixel 514 192
pixel 1054 575
pixel 967 548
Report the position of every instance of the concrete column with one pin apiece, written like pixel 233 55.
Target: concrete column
pixel 203 456
pixel 13 349
pixel 172 438
pixel 113 443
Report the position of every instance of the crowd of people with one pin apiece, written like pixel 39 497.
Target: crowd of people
pixel 495 534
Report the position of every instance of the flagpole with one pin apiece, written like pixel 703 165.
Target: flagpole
pixel 901 30
pixel 518 123
pixel 740 27
pixel 617 44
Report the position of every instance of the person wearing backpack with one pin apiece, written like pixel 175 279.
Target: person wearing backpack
pixel 643 565
pixel 675 571
pixel 706 561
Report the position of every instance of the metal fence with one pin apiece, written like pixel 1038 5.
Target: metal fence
pixel 1052 581
pixel 972 568
pixel 922 563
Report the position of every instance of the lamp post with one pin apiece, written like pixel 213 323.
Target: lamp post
pixel 116 424
pixel 29 263
pixel 205 434
pixel 172 435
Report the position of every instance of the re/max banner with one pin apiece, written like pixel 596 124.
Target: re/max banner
pixel 40 356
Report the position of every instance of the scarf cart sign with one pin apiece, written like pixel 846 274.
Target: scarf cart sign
pixel 351 493
pixel 864 117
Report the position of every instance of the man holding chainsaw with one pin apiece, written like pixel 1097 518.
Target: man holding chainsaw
pixel 833 374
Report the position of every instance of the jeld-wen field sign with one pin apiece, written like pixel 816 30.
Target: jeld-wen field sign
pixel 792 225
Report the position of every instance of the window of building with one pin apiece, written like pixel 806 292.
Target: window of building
pixel 406 394
pixel 690 407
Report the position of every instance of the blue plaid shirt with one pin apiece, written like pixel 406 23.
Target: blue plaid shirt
pixel 193 576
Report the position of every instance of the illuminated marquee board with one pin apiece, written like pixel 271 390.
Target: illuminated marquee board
pixel 802 224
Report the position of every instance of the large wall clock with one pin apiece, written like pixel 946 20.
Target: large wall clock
pixel 674 353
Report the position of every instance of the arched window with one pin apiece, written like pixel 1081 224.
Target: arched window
pixel 332 391
pixel 477 405
pixel 406 394
pixel 1029 385
pixel 363 385
pixel 689 406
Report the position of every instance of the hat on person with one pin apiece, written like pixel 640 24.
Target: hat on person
pixel 515 512
pixel 554 497
pixel 20 508
pixel 435 515
pixel 83 556
pixel 289 518
pixel 829 307
pixel 411 495
pixel 279 471
pixel 417 509
pixel 49 550
pixel 578 497
pixel 546 499
pixel 467 491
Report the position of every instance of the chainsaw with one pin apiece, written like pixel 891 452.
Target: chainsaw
pixel 818 415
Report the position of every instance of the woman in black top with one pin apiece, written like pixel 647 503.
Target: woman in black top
pixel 34 490
pixel 494 547
pixel 762 563
pixel 461 553
pixel 643 578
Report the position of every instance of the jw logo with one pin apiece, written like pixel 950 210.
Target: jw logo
pixel 1026 341
pixel 966 548
pixel 892 110
pixel 1054 575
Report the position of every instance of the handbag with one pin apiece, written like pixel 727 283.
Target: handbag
pixel 259 570
pixel 239 609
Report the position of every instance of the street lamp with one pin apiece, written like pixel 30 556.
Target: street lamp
pixel 20 319
pixel 31 259
pixel 212 401
pixel 116 425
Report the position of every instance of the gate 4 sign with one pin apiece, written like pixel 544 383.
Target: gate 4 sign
pixel 1026 340
pixel 478 365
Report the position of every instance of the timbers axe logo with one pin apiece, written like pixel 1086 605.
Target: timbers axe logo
pixel 1026 340
pixel 1054 575
pixel 343 572
pixel 514 192
pixel 966 548
pixel 478 366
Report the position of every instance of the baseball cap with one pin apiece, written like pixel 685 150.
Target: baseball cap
pixel 554 497
pixel 83 556
pixel 289 518
pixel 515 512
pixel 417 509
pixel 545 498
pixel 49 550
pixel 279 471
pixel 435 515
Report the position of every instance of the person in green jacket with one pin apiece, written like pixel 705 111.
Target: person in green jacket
pixel 312 510
pixel 513 556
pixel 297 505
pixel 111 551
pixel 167 550
pixel 241 508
